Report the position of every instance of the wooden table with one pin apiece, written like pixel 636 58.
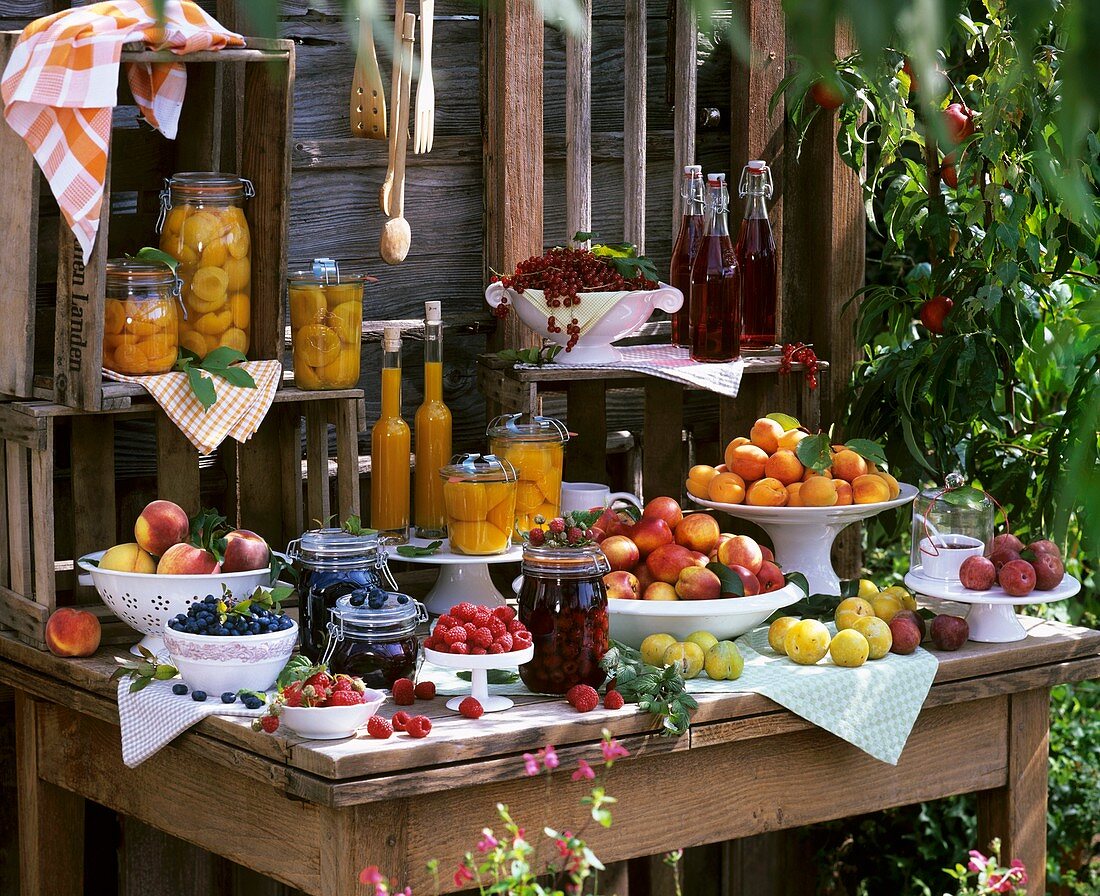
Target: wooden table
pixel 746 767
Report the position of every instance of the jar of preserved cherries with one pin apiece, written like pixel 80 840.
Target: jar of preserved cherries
pixel 563 603
pixel 331 564
pixel 204 228
pixel 377 644
pixel 140 317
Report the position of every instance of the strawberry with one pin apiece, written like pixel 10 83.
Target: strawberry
pixel 345 698
pixel 292 693
pixel 404 692
pixel 400 720
pixel 418 726
pixel 424 690
pixel 380 727
pixel 268 723
pixel 471 708
pixel 613 700
pixel 321 681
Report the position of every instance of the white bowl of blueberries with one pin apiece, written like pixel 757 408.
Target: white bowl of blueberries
pixel 221 647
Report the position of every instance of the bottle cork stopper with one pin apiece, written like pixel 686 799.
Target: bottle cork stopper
pixel 432 313
pixel 391 339
pixel 716 178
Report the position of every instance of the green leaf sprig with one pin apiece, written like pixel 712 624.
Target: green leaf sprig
pixel 412 550
pixel 354 526
pixel 218 363
pixel 144 671
pixel 208 531
pixel 661 692
pixel 536 356
pixel 816 451
pixel 623 257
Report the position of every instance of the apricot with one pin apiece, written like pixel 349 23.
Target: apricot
pixel 240 307
pixel 238 340
pixel 347 320
pixel 503 514
pixel 215 323
pixel 199 229
pixel 698 478
pixel 73 632
pixel 532 462
pixel 870 489
pixel 342 373
pixel 732 446
pixel 306 378
pixel 528 497
pixel 765 434
pixel 237 239
pixel 790 439
pixel 477 537
pixel 130 359
pixel 843 492
pixel 810 473
pixel 195 342
pixel 698 532
pixel 128 558
pixel 848 465
pixel 114 316
pixel 818 491
pixel 767 493
pixel 307 306
pixel 784 466
pixel 726 488
pixel 794 498
pixel 465 501
pixel 317 344
pixel 747 461
pixel 895 487
pixel 239 271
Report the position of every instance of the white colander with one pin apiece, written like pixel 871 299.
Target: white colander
pixel 146 601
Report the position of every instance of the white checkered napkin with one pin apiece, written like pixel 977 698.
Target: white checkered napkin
pixel 151 718
pixel 237 412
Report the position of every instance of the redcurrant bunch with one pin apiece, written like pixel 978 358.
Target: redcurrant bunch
pixel 800 353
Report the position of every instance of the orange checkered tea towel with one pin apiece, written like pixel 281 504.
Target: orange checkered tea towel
pixel 61 84
pixel 237 412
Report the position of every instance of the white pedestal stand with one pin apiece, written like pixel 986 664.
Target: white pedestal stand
pixel 479 667
pixel 461 577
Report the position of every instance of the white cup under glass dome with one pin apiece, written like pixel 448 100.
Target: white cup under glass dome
pixel 950 524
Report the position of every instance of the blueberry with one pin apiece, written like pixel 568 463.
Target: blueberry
pixel 254 628
pixel 180 617
pixel 229 697
pixel 253 702
pixel 179 689
pixel 198 696
pixel 402 598
pixel 357 599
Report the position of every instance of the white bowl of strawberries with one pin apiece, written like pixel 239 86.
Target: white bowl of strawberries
pixel 327 707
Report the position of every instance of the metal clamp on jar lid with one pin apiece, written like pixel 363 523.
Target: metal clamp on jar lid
pixel 338 549
pixel 398 616
pixel 127 277
pixel 478 468
pixel 197 187
pixel 528 428
pixel 564 563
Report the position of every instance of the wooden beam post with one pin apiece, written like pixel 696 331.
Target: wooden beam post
pixel 578 126
pixel 512 62
pixel 685 78
pixel 635 57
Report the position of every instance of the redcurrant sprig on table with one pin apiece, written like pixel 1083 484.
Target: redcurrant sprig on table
pixel 800 353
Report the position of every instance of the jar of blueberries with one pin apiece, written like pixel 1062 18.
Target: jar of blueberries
pixel 332 564
pixel 563 603
pixel 375 640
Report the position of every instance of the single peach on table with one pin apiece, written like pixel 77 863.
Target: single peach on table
pixel 621 552
pixel 785 466
pixel 747 461
pixel 765 434
pixel 72 632
pixel 698 532
pixel 818 491
pixel 666 562
pixel 159 526
pixel 187 560
pixel 696 583
pixel 843 493
pixel 660 591
pixel 767 493
pixel 870 489
pixel 732 446
pixel 128 558
pixel 726 488
pixel 848 465
pixel 741 550
pixel 621 585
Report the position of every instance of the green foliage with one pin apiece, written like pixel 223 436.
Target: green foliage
pixel 217 363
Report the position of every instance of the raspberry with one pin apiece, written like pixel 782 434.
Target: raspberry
pixel 454 635
pixel 345 698
pixel 536 537
pixel 424 690
pixel 505 641
pixel 557 525
pixel 521 640
pixel 270 724
pixel 418 726
pixel 470 628
pixel 462 648
pixel 574 535
pixel 613 700
pixel 497 647
pixel 400 720
pixel 477 651
pixel 504 614
pixel 404 692
pixel 471 708
pixel 514 625
pixel 481 638
pixel 480 617
pixel 380 727
pixel 582 693
pixel 497 627
pixel 464 611
pixel 445 622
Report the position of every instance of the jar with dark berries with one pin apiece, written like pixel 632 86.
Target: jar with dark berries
pixel 563 603
pixel 375 641
pixel 333 563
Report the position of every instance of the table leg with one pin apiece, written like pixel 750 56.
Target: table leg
pixel 51 820
pixel 354 837
pixel 586 414
pixel 1017 812
pixel 662 439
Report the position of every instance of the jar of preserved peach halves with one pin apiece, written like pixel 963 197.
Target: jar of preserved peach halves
pixel 141 317
pixel 204 228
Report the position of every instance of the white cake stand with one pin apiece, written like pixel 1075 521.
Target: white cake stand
pixel 992 615
pixel 479 667
pixel 461 576
pixel 803 536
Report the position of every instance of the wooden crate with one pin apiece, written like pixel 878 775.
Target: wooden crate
pixel 259 486
pixel 237 117
pixel 763 390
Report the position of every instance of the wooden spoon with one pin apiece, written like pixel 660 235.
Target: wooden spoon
pixel 368 96
pixel 396 234
pixel 395 102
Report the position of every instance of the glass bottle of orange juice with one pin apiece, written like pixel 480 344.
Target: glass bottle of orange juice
pixel 433 432
pixel 389 450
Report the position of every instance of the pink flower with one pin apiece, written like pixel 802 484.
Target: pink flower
pixel 613 750
pixel 530 765
pixel 1020 870
pixel 371 876
pixel 549 757
pixel 977 861
pixel 487 841
pixel 463 876
pixel 408 891
pixel 584 771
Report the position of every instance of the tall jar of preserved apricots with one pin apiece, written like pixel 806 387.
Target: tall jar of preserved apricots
pixel 479 495
pixel 535 447
pixel 204 229
pixel 140 317
pixel 326 326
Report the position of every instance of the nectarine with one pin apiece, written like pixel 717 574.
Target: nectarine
pixel 741 550
pixel 666 509
pixel 666 562
pixel 660 591
pixel 187 560
pixel 621 552
pixel 245 550
pixel 696 583
pixel 649 534
pixel 698 532
pixel 621 585
pixel 159 526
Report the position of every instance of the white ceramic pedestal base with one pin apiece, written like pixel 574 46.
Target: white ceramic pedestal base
pixel 803 536
pixel 461 577
pixel 153 643
pixel 479 667
pixel 992 615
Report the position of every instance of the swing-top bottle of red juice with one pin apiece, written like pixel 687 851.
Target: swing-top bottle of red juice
pixel 716 284
pixel 756 258
pixel 693 194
